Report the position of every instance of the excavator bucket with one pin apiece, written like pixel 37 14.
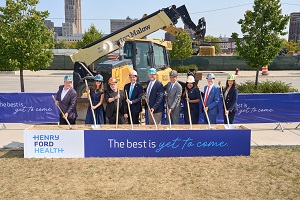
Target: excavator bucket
pixel 199 29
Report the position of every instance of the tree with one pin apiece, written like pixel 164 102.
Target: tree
pixel 210 38
pixel 182 46
pixel 89 36
pixel 62 44
pixel 261 29
pixel 27 41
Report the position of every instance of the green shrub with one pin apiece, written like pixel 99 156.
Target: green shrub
pixel 266 87
pixel 184 68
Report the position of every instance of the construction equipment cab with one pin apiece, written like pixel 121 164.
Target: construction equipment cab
pixel 139 54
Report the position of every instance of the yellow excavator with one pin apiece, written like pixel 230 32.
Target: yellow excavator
pixel 135 52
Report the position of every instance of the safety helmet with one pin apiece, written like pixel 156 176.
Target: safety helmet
pixel 133 73
pixel 68 78
pixel 210 75
pixel 112 80
pixel 152 71
pixel 173 73
pixel 190 79
pixel 231 77
pixel 98 77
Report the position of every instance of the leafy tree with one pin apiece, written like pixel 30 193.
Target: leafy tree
pixel 212 39
pixel 89 36
pixel 26 39
pixel 62 44
pixel 261 29
pixel 182 46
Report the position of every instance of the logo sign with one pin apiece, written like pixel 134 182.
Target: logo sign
pixel 166 143
pixel 53 144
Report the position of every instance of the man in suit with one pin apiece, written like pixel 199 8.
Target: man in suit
pixel 135 93
pixel 174 91
pixel 66 99
pixel 211 99
pixel 154 95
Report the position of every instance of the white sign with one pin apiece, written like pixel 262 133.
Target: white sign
pixel 54 144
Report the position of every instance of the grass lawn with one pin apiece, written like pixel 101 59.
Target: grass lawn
pixel 269 173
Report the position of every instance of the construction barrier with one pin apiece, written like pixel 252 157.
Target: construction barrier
pixel 264 70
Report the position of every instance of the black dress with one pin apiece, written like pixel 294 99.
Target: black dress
pixel 193 94
pixel 99 111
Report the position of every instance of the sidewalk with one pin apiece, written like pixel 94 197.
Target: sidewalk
pixel 261 135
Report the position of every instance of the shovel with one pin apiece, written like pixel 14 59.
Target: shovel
pixel 63 114
pixel 151 112
pixel 94 126
pixel 205 113
pixel 189 110
pixel 169 117
pixel 224 105
pixel 129 111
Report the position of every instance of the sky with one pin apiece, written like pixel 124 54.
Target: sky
pixel 221 15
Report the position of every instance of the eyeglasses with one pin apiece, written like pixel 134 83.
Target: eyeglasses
pixel 98 81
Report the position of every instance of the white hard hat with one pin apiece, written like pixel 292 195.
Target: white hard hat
pixel 190 79
pixel 133 73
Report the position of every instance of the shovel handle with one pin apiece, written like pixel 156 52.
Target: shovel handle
pixel 63 114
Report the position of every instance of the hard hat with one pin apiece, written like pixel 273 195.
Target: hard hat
pixel 68 78
pixel 231 77
pixel 98 77
pixel 210 75
pixel 190 79
pixel 112 80
pixel 152 71
pixel 133 73
pixel 173 73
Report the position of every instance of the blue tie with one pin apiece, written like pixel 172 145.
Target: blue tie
pixel 130 91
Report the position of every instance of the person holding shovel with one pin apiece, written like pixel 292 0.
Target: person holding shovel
pixel 97 97
pixel 135 94
pixel 66 99
pixel 211 99
pixel 230 96
pixel 193 99
pixel 112 97
pixel 154 96
pixel 173 97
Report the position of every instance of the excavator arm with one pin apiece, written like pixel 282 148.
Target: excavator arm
pixel 162 19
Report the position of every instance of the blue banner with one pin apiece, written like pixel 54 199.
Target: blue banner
pixel 166 143
pixel 257 108
pixel 27 108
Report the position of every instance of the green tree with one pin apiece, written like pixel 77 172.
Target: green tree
pixel 214 42
pixel 62 44
pixel 261 29
pixel 26 39
pixel 182 46
pixel 89 36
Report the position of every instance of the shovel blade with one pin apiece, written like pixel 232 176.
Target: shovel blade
pixel 95 127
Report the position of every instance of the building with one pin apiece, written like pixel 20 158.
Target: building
pixel 49 24
pixel 117 24
pixel 58 30
pixel 294 29
pixel 72 23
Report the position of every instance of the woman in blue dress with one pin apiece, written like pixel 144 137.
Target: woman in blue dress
pixel 97 97
pixel 193 99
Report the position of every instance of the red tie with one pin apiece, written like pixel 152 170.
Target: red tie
pixel 206 96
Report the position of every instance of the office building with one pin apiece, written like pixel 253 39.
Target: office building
pixel 117 24
pixel 72 23
pixel 294 29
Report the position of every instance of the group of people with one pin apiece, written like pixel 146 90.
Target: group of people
pixel 118 102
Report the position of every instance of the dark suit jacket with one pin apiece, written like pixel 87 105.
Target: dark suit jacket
pixel 156 96
pixel 136 97
pixel 212 100
pixel 68 104
pixel 231 99
pixel 112 107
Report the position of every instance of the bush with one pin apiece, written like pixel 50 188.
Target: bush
pixel 266 87
pixel 185 68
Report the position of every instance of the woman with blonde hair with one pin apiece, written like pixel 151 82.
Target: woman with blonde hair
pixel 97 97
